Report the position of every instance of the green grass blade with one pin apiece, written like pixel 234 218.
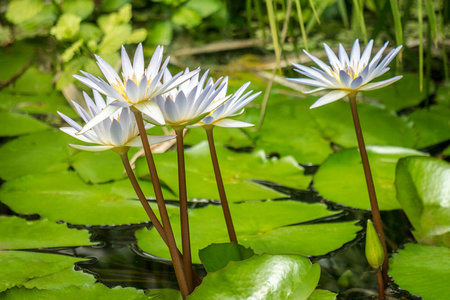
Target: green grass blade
pixel 311 3
pixel 260 17
pixel 420 20
pixel 249 15
pixel 343 12
pixel 358 6
pixel 432 20
pixel 273 31
pixel 302 25
pixel 397 23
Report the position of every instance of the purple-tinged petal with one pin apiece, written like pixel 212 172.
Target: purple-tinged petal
pixel 380 84
pixel 330 97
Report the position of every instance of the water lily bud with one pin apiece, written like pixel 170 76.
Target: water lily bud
pixel 374 249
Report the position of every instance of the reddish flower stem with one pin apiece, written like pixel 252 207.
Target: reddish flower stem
pixel 176 259
pixel 370 187
pixel 220 187
pixel 184 218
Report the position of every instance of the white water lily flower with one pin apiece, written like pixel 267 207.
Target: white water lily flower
pixel 136 87
pixel 117 132
pixel 192 100
pixel 346 75
pixel 232 107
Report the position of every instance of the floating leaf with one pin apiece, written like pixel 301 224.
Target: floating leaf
pixel 96 291
pixel 64 196
pixel 12 124
pixel 422 270
pixel 17 233
pixel 19 266
pixel 163 294
pixel 239 170
pixel 259 225
pixel 423 190
pixel 267 276
pixel 443 94
pixel 341 178
pixel 33 82
pixel 61 279
pixel 37 153
pixel 217 256
pixel 14 59
pixel 231 137
pixel 380 126
pixel 432 124
pixel 319 294
pixel 402 94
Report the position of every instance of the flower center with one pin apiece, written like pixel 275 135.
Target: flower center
pixel 350 72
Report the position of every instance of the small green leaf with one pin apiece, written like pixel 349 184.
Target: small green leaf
pixel 431 124
pixel 81 8
pixel 217 256
pixel 22 10
pixel 186 17
pixel 205 8
pixel 319 294
pixel 160 33
pixel 67 26
pixel 268 276
pixel 115 38
pixel 70 52
pixel 374 249
pixel 423 190
pixel 422 270
pixel 137 36
pixel 341 178
pixel 12 124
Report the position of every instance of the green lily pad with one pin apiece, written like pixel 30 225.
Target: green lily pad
pixel 423 190
pixel 12 124
pixel 260 226
pixel 14 59
pixel 217 256
pixel 239 170
pixel 18 267
pixel 33 82
pixel 17 233
pixel 422 270
pixel 64 196
pixel 380 126
pixel 95 291
pixel 232 137
pixel 261 277
pixel 443 94
pixel 61 279
pixel 37 153
pixel 289 128
pixel 341 178
pixel 98 167
pixel 401 94
pixel 163 294
pixel 432 124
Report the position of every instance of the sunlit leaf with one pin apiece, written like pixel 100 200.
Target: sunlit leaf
pixel 17 233
pixel 341 178
pixel 423 190
pixel 239 172
pixel 186 17
pixel 319 294
pixel 64 196
pixel 81 8
pixel 268 276
pixel 22 10
pixel 66 27
pixel 422 270
pixel 260 226
pixel 217 256
pixel 12 124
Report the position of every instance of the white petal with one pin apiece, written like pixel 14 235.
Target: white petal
pixel 356 83
pixel 99 101
pixel 309 82
pixel 330 97
pixel 320 63
pixel 90 83
pixel 170 111
pixel 70 121
pixel 155 139
pixel 127 68
pixel 132 91
pixel 364 61
pixel 343 57
pixel 380 84
pixel 232 123
pixel 152 110
pixel 355 53
pixel 120 104
pixel 105 113
pixel 115 133
pixel 107 70
pixel 155 62
pixel 345 78
pixel 72 132
pixel 138 62
pixel 313 91
pixel 334 61
pixel 377 57
pixel 91 148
